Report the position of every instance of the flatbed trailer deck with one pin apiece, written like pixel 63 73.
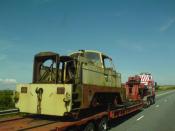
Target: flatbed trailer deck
pixel 97 118
pixel 96 122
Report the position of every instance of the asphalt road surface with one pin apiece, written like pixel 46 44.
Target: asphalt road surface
pixel 158 117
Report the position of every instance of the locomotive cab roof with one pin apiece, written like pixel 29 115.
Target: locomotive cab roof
pixel 90 51
pixel 46 54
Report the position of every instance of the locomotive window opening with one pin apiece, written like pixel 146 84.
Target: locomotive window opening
pixel 107 63
pixel 94 57
pixel 60 72
pixel 70 72
pixel 48 71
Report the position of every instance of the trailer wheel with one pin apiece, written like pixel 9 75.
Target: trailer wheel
pixel 102 126
pixel 89 127
pixel 151 100
pixel 148 102
pixel 154 100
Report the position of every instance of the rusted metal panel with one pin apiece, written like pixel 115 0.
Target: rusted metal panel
pixel 90 90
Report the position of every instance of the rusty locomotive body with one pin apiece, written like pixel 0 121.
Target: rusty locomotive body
pixel 65 84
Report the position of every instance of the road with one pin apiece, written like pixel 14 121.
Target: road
pixel 158 117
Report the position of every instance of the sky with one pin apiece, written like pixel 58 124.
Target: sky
pixel 139 35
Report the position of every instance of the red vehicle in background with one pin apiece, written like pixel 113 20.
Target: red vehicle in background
pixel 141 87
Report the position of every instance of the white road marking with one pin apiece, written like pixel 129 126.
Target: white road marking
pixel 157 105
pixel 140 117
pixel 164 93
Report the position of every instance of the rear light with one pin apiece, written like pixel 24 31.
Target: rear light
pixel 60 90
pixel 23 89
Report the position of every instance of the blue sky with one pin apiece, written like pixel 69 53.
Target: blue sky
pixel 139 35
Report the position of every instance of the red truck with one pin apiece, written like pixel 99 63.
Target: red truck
pixel 141 87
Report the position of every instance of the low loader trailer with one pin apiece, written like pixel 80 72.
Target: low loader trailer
pixel 83 87
pixel 99 121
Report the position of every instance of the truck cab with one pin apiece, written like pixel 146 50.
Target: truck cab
pixel 141 87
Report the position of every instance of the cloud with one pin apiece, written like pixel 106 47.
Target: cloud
pixel 8 81
pixel 167 25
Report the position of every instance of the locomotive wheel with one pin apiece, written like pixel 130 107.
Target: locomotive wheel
pixel 103 124
pixel 89 127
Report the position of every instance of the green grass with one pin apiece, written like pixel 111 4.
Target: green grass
pixel 6 99
pixel 166 87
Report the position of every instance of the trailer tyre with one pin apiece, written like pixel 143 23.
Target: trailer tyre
pixel 89 127
pixel 151 100
pixel 102 126
pixel 154 100
pixel 148 102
